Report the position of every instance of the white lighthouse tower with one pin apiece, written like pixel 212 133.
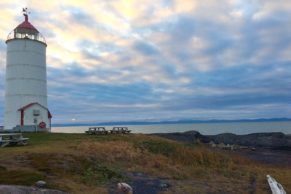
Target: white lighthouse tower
pixel 26 82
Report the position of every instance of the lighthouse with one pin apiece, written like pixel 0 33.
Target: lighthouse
pixel 26 81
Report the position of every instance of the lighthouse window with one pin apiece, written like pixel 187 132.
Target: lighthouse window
pixel 36 112
pixel 18 35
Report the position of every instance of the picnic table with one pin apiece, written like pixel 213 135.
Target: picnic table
pixel 7 139
pixel 97 131
pixel 103 131
pixel 123 130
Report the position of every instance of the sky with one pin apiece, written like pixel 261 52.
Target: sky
pixel 152 60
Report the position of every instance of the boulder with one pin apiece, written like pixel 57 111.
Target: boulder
pixel 40 184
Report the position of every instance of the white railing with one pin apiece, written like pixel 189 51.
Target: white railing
pixel 39 37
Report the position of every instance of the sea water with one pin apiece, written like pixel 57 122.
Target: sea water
pixel 239 128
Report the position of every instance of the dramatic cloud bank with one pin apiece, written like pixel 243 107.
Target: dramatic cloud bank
pixel 119 60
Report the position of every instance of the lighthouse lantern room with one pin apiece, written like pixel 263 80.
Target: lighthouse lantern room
pixel 26 82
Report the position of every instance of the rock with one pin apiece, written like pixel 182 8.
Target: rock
pixel 274 140
pixel 138 174
pixel 164 185
pixel 40 184
pixel 124 188
pixel 142 183
pixel 18 189
pixel 188 136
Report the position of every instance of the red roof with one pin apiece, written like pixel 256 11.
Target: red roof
pixel 26 24
pixel 35 103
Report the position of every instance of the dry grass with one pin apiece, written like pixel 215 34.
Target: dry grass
pixel 86 164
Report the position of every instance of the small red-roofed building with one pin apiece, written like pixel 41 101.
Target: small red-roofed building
pixel 34 116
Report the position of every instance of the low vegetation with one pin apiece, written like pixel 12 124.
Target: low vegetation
pixel 80 163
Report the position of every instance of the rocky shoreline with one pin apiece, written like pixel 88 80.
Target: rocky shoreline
pixel 267 148
pixel 276 140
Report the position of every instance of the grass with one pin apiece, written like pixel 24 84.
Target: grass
pixel 17 175
pixel 99 174
pixel 80 163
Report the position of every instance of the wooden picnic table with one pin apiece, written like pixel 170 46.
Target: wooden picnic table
pixel 118 130
pixel 97 131
pixel 103 131
pixel 7 139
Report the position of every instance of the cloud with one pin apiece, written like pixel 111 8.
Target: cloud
pixel 130 60
pixel 145 48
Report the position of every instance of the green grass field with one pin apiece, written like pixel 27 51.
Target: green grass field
pixel 79 163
